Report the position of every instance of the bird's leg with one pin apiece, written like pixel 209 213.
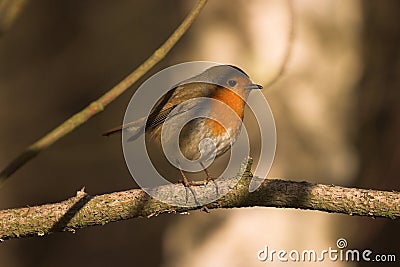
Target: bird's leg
pixel 187 186
pixel 210 178
pixel 185 180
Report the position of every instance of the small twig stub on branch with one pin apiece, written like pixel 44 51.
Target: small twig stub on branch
pixel 84 210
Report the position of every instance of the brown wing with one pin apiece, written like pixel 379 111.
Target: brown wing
pixel 165 105
pixel 157 119
pixel 175 97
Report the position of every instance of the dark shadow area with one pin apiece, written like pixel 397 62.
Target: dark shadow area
pixel 70 213
pixel 378 118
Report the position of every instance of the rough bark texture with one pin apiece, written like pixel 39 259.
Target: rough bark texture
pixel 84 210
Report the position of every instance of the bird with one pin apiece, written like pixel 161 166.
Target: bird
pixel 225 84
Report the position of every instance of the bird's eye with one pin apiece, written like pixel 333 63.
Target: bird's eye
pixel 232 83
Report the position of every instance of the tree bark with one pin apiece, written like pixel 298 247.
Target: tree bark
pixel 84 210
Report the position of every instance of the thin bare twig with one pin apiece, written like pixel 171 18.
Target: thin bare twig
pixel 9 11
pixel 289 45
pixel 98 105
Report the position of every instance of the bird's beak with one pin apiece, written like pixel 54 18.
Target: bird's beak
pixel 253 86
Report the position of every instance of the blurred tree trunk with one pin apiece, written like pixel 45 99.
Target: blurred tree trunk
pixel 378 115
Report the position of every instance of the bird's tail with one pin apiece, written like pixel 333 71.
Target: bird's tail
pixel 135 129
pixel 113 131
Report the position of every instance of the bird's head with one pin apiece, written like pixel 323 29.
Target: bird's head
pixel 230 77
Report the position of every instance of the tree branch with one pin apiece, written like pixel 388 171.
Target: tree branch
pixel 97 106
pixel 9 11
pixel 84 210
pixel 289 45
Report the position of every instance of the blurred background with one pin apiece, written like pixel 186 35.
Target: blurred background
pixel 336 109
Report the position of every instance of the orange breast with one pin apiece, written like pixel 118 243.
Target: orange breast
pixel 235 102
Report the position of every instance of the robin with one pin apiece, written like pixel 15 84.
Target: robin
pixel 226 84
